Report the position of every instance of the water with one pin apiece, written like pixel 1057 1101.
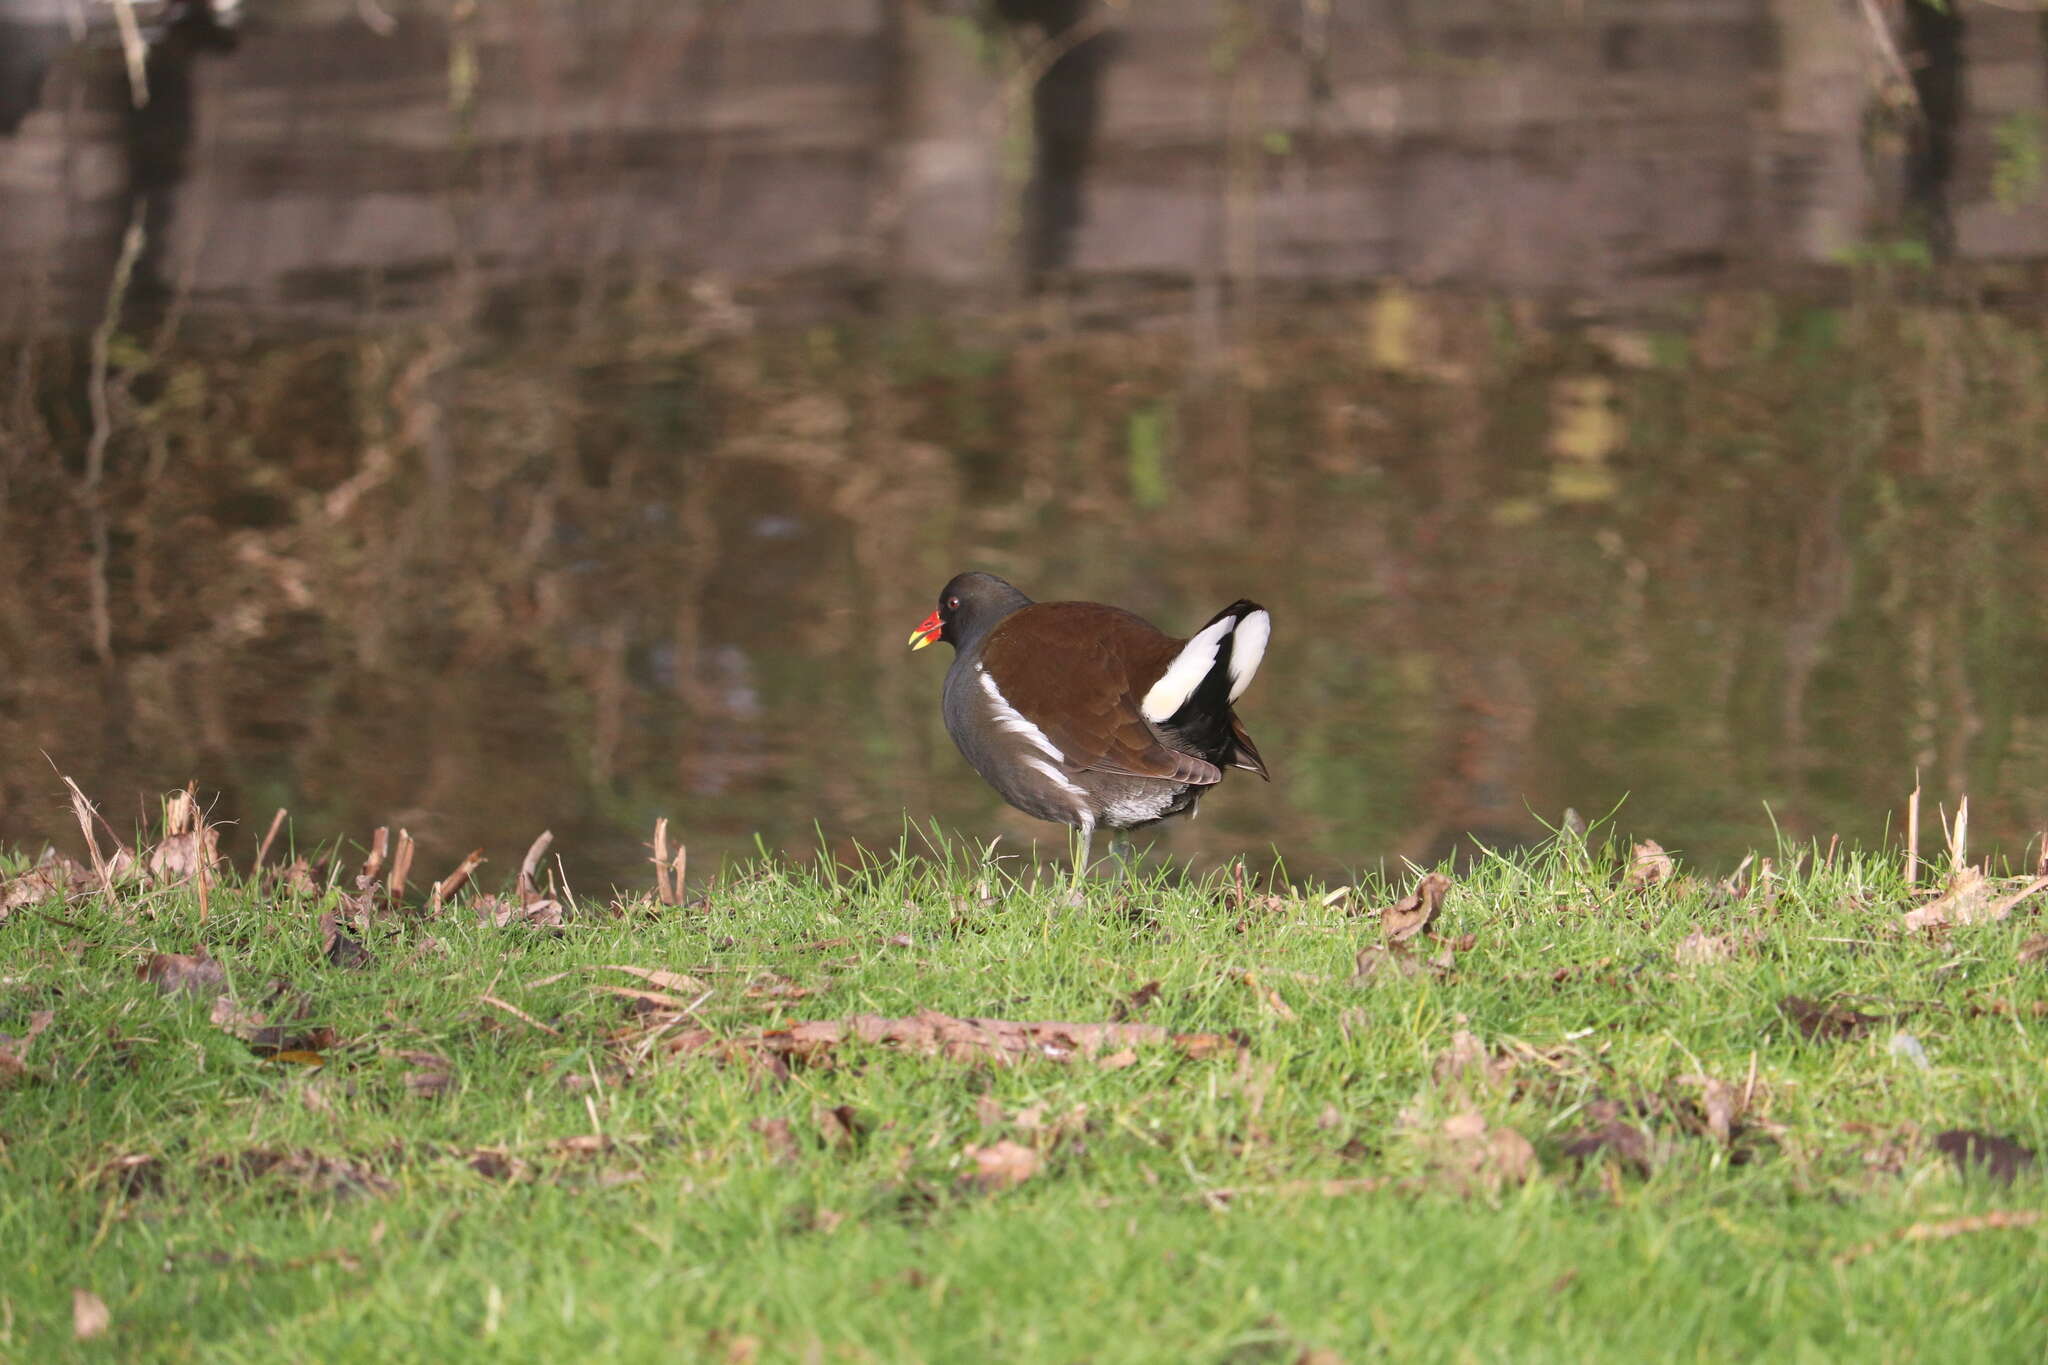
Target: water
pixel 469 465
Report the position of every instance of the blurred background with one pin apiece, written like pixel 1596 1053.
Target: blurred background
pixel 488 415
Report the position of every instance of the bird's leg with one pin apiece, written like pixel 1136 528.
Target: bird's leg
pixel 1121 848
pixel 1078 844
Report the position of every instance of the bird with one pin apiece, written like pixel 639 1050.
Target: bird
pixel 1088 715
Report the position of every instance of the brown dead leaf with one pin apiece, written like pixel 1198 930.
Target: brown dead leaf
pixel 1998 1158
pixel 1465 1062
pixel 962 1040
pixel 659 1000
pixel 1000 1165
pixel 782 1144
pixel 180 974
pixel 839 1125
pixel 1817 1022
pixel 1394 962
pixel 1472 1152
pixel 2034 950
pixel 178 857
pixel 1607 1132
pixel 1416 911
pixel 988 1111
pixel 54 876
pixel 1649 865
pixel 1137 1000
pixel 339 944
pixel 581 1144
pixel 267 1039
pixel 1960 902
pixel 429 1075
pixel 1720 1103
pixel 495 910
pixel 309 1171
pixel 1700 949
pixel 495 1163
pixel 1117 1061
pixel 89 1316
pixel 658 977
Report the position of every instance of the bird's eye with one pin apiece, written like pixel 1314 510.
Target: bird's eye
pixel 953 603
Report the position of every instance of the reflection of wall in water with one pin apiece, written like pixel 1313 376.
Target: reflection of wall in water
pixel 1586 148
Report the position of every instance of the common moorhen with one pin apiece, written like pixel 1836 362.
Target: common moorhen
pixel 1088 715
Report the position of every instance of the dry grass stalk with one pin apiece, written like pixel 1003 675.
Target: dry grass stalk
pixel 1953 1227
pixel 457 879
pixel 401 867
pixel 195 819
pixel 1959 837
pixel 529 891
pixel 373 866
pixel 83 809
pixel 1913 837
pixel 518 1013
pixel 269 838
pixel 664 891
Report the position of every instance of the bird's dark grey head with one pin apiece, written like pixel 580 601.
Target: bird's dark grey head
pixel 970 605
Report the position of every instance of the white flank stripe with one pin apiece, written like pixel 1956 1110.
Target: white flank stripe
pixel 1059 778
pixel 1185 673
pixel 1247 649
pixel 1010 718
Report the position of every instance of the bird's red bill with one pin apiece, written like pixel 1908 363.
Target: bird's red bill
pixel 928 632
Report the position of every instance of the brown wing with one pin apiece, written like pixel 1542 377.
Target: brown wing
pixel 1076 670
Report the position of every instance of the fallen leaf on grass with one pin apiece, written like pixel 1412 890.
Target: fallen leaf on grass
pixel 339 944
pixel 89 1316
pixel 1825 1023
pixel 1649 865
pixel 838 1125
pixel 178 857
pixel 1472 1152
pixel 495 1163
pixel 430 1075
pixel 1999 1158
pixel 180 974
pixel 1380 961
pixel 309 1171
pixel 1416 911
pixel 1607 1132
pixel 1968 900
pixel 2034 950
pixel 1721 1104
pixel 135 1173
pixel 1000 1165
pixel 1953 1227
pixel 962 1040
pixel 1134 1002
pixel 782 1144
pixel 498 912
pixel 14 1051
pixel 267 1039
pixel 581 1144
pixel 660 1000
pixel 658 977
pixel 1466 1060
pixel 1700 949
pixel 53 876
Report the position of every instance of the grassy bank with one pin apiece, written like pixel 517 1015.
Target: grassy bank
pixel 1598 1109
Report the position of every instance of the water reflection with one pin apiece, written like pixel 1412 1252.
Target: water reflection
pixel 480 581
pixel 482 417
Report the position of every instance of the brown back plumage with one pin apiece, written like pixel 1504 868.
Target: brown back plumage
pixel 1078 670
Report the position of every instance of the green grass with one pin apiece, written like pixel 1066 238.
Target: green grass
pixel 1185 1208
